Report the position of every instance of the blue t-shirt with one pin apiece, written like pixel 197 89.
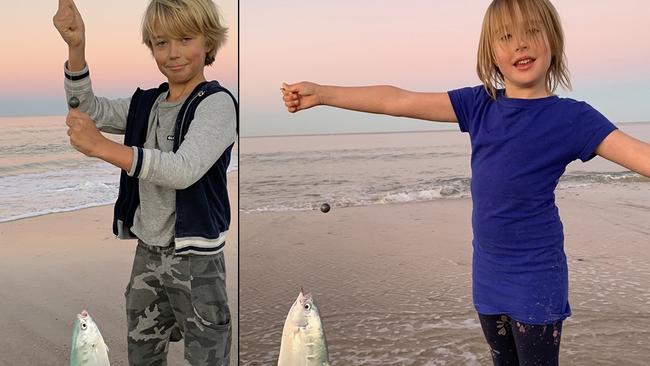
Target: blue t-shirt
pixel 520 148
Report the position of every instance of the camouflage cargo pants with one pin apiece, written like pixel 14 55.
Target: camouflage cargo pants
pixel 170 298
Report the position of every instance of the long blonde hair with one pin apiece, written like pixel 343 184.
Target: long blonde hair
pixel 499 17
pixel 181 18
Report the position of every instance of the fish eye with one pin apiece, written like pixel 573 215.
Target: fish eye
pixel 307 306
pixel 84 326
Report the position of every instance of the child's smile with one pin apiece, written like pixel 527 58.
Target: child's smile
pixel 524 63
pixel 176 67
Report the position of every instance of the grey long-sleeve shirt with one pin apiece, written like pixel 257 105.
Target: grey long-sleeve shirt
pixel 163 171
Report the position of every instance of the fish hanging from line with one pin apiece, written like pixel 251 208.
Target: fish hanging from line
pixel 88 347
pixel 303 338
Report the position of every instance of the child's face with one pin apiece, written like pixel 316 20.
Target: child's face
pixel 523 57
pixel 181 60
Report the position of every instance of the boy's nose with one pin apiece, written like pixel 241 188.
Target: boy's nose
pixel 174 49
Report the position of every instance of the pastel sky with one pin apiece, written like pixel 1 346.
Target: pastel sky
pixel 33 53
pixel 424 45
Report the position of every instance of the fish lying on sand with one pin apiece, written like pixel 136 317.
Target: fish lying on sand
pixel 303 338
pixel 88 347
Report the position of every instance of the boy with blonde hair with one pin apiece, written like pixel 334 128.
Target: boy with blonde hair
pixel 173 197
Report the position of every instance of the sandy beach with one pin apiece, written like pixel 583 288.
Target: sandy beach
pixel 54 266
pixel 394 288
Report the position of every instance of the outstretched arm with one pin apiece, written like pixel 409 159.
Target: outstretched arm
pixel 627 151
pixel 381 99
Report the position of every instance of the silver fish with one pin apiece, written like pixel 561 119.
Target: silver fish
pixel 303 339
pixel 88 347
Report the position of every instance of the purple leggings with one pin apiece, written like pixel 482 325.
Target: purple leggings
pixel 513 343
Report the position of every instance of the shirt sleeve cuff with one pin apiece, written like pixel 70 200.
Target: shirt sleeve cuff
pixel 136 165
pixel 75 75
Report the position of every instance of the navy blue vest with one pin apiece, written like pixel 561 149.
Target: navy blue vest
pixel 202 209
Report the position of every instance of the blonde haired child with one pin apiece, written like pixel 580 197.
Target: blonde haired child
pixel 173 191
pixel 522 136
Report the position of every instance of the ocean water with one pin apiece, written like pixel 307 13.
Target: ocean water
pixel 41 173
pixel 302 172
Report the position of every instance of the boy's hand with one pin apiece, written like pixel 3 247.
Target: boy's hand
pixel 300 96
pixel 69 23
pixel 84 135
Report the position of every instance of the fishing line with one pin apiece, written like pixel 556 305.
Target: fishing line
pixel 325 207
pixel 73 102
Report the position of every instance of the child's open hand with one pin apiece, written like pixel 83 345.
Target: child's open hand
pixel 300 96
pixel 69 23
pixel 84 135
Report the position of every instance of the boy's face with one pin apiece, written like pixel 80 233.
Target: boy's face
pixel 181 60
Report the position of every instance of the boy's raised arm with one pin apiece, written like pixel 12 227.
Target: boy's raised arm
pixel 69 23
pixel 108 115
pixel 380 99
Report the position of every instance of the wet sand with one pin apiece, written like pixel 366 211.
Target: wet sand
pixel 54 266
pixel 393 282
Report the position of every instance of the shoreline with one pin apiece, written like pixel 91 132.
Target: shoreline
pixel 36 215
pixel 56 265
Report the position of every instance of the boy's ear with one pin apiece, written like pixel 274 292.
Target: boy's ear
pixel 208 50
pixel 209 47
